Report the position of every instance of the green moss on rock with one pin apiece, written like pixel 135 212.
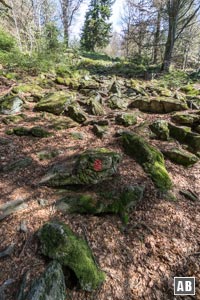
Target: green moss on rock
pixel 38 131
pixel 90 167
pixel 184 135
pixel 61 123
pixel 126 119
pixel 185 119
pixel 160 129
pixel 10 105
pixel 100 130
pixel 34 131
pixel 95 107
pixel 76 113
pixel 14 119
pixel 116 102
pixel 159 104
pixel 55 103
pixel 32 89
pixel 180 157
pixel 92 204
pixel 150 158
pixel 60 243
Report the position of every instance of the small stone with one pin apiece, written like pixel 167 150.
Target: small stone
pixel 126 119
pixel 160 129
pixel 23 226
pixel 77 135
pixel 43 202
pixel 100 131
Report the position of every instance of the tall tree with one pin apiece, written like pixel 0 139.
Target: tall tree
pixel 68 10
pixel 180 14
pixel 97 29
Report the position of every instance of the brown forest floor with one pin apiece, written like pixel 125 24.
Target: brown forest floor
pixel 162 239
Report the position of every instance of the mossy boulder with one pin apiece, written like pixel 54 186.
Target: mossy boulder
pixel 190 90
pixel 178 132
pixel 10 105
pixel 76 113
pixel 17 164
pixel 14 119
pixel 159 104
pixel 115 88
pixel 185 119
pixel 160 129
pixel 60 243
pixel 184 135
pixel 49 286
pixel 55 103
pixel 90 167
pixel 93 204
pixel 20 131
pixel 31 89
pixel 116 102
pixel 36 131
pixel 100 130
pixel 70 82
pixel 138 87
pixel 61 123
pixel 88 84
pixel 126 119
pixel 180 157
pixel 95 106
pixel 150 158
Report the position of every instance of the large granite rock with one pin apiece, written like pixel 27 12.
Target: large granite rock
pixel 49 286
pixel 55 103
pixel 158 104
pixel 60 243
pixel 150 158
pixel 90 167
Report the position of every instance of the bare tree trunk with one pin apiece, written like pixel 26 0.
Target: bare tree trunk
pixel 157 38
pixel 16 26
pixel 65 20
pixel 169 45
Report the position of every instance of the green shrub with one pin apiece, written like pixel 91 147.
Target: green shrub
pixel 7 42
